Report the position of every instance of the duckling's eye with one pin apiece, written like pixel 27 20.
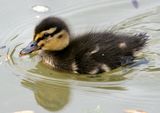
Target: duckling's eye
pixel 46 34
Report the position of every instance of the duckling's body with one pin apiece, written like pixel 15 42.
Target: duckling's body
pixel 94 53
pixel 90 53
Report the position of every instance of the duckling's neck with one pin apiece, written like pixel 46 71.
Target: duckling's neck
pixel 59 60
pixel 45 54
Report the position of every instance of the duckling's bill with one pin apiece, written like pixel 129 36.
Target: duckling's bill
pixel 31 47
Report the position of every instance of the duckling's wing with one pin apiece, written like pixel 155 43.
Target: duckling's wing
pixel 119 50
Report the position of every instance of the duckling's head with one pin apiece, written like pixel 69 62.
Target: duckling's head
pixel 51 34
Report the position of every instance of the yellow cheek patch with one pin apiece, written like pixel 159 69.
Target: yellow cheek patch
pixel 55 43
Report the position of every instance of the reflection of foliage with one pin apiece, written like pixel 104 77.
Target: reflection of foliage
pixel 51 97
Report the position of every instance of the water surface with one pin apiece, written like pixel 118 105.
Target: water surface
pixel 27 84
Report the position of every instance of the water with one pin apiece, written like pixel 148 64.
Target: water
pixel 28 85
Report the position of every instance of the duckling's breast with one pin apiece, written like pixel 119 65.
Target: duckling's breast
pixel 59 62
pixel 48 59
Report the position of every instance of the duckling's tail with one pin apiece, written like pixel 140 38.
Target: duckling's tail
pixel 134 43
pixel 131 45
pixel 139 41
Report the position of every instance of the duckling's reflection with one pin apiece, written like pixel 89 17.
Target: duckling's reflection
pixel 49 96
pixel 54 97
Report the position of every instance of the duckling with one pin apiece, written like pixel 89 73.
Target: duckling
pixel 89 53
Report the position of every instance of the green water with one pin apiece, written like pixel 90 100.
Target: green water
pixel 28 85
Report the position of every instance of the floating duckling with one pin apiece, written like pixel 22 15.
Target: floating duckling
pixel 89 53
